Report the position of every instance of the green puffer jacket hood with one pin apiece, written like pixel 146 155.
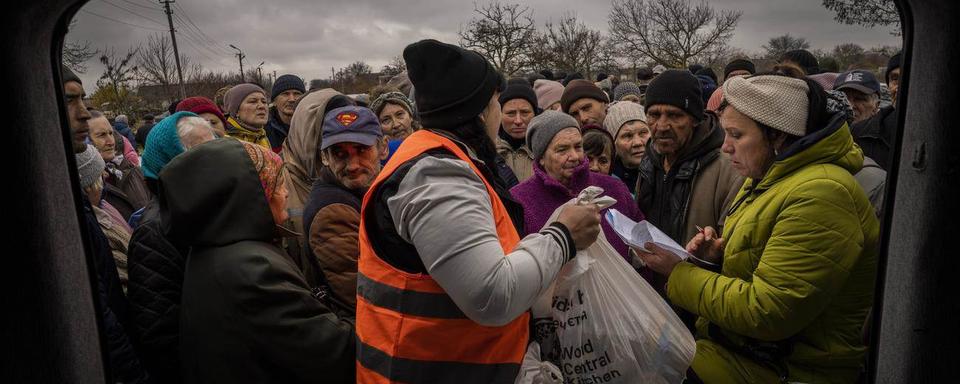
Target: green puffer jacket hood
pixel 798 272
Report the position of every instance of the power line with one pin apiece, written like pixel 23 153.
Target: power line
pixel 121 22
pixel 142 6
pixel 203 34
pixel 198 39
pixel 199 51
pixel 190 21
pixel 133 13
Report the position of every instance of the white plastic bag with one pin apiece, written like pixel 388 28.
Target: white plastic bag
pixel 611 326
pixel 534 370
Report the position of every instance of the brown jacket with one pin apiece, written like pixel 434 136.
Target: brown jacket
pixel 697 190
pixel 332 223
pixel 519 160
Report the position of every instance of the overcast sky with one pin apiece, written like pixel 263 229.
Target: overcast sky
pixel 308 37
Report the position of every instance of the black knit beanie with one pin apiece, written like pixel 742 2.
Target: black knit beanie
pixel 519 88
pixel 285 83
pixel 894 63
pixel 678 88
pixel 805 59
pixel 579 89
pixel 739 65
pixel 453 84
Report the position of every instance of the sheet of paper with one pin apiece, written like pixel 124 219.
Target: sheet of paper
pixel 637 234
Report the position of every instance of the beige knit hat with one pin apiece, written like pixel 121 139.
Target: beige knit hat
pixel 779 102
pixel 620 113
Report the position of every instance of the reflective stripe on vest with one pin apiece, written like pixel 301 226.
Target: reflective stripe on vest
pixel 409 330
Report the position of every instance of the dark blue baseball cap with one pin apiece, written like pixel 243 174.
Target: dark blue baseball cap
pixel 350 124
pixel 858 80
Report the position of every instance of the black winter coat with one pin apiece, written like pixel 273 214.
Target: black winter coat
pixel 876 136
pixel 248 311
pixel 155 268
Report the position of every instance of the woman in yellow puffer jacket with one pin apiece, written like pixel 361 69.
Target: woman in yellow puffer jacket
pixel 798 252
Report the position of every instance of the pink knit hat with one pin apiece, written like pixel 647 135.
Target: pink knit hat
pixel 548 92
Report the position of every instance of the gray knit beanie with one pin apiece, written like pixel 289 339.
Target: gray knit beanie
pixel 620 113
pixel 393 98
pixel 235 96
pixel 90 166
pixel 626 88
pixel 779 102
pixel 544 127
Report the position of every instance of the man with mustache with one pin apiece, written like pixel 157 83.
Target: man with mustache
pixel 353 146
pixel 585 101
pixel 284 95
pixel 685 180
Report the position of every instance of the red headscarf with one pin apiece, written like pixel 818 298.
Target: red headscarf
pixel 200 104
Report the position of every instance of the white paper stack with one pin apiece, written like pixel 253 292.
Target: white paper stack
pixel 637 234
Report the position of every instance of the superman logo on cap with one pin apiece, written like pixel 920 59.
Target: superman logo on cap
pixel 347 118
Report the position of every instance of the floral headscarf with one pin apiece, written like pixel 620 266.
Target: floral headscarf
pixel 268 165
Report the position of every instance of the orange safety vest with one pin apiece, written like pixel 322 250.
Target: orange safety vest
pixel 409 329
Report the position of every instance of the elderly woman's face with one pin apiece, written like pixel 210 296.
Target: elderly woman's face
pixel 101 136
pixel 395 121
pixel 253 110
pixel 563 155
pixel 750 153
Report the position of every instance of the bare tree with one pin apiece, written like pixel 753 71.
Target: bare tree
pixel 671 32
pixel 569 46
pixel 394 67
pixel 503 33
pixel 779 45
pixel 357 69
pixel 869 13
pixel 847 54
pixel 118 73
pixel 611 58
pixel 76 54
pixel 718 57
pixel 156 65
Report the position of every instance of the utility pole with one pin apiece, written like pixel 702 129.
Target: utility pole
pixel 173 38
pixel 260 73
pixel 240 57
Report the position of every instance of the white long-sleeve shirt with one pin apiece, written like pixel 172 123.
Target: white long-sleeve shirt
pixel 443 209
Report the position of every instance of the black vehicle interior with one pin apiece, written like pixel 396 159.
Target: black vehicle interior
pixel 50 330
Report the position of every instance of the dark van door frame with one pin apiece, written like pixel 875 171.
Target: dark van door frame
pixel 50 332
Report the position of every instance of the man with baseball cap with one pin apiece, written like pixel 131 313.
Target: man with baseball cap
pixel 862 90
pixel 352 148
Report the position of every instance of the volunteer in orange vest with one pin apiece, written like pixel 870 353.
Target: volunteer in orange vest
pixel 445 282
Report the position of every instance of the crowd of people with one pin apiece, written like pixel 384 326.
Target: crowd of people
pixel 306 236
